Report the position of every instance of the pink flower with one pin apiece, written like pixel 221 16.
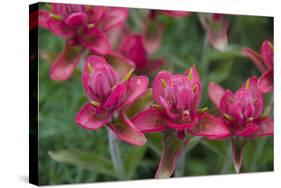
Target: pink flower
pixel 178 97
pixel 109 93
pixel 83 28
pixel 242 112
pixel 216 26
pixel 133 47
pixel 264 62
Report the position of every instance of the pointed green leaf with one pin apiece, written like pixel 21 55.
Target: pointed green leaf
pixel 84 159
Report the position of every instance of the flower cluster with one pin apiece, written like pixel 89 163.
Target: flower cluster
pixel 115 75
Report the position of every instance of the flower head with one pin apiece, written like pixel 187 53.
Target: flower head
pixel 264 62
pixel 82 27
pixel 177 111
pixel 109 93
pixel 242 113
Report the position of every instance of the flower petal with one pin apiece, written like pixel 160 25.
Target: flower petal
pixel 165 105
pixel 172 148
pixel 157 85
pixel 249 130
pixel 120 64
pixel 193 74
pixel 88 117
pixel 126 131
pixel 210 127
pixel 136 86
pixel 116 97
pixel 43 17
pixel 66 62
pixel 255 57
pixel 142 103
pixel 95 40
pixel 226 101
pixel 59 28
pixel 86 75
pixel 184 125
pixel 76 19
pixel 267 54
pixel 132 47
pixel 215 93
pixel 154 65
pixel 114 17
pixel 150 120
pixel 265 82
pixel 265 127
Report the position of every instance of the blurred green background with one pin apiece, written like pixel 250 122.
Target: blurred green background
pixel 80 155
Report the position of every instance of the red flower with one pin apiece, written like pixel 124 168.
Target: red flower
pixel 264 62
pixel 109 93
pixel 83 28
pixel 242 112
pixel 178 97
pixel 132 46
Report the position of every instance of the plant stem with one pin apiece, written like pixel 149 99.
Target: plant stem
pixel 115 154
pixel 179 172
pixel 204 63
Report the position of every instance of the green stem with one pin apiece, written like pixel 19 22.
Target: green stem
pixel 179 172
pixel 204 63
pixel 115 154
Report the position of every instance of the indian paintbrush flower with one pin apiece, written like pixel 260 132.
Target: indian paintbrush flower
pixel 109 93
pixel 177 100
pixel 264 62
pixel 82 27
pixel 242 113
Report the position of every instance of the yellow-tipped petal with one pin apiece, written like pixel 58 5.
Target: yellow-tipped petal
pixel 202 110
pixel 164 83
pixel 90 68
pixel 128 75
pixel 91 26
pixel 157 106
pixel 56 17
pixel 227 116
pixel 247 86
pixel 95 103
pixel 190 74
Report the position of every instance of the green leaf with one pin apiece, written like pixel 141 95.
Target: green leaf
pixel 218 147
pixel 155 142
pixel 84 159
pixel 132 160
pixel 193 142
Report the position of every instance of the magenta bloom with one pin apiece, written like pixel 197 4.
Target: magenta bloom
pixel 109 92
pixel 83 28
pixel 264 62
pixel 133 47
pixel 216 26
pixel 242 114
pixel 178 97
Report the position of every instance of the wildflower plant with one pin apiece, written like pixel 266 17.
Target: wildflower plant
pixel 156 98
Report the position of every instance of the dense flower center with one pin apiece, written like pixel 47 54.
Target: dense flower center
pixel 179 94
pixel 103 80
